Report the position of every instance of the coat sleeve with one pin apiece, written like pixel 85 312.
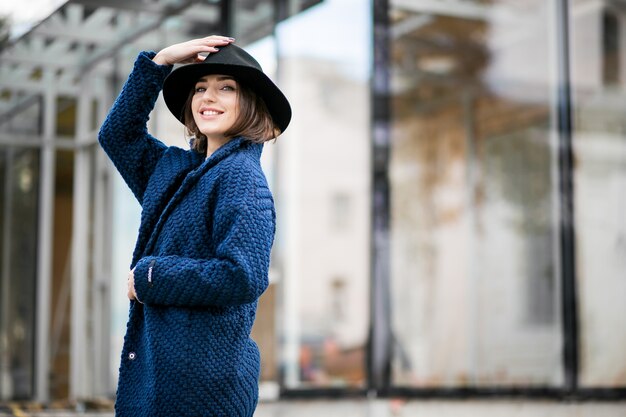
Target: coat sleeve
pixel 124 135
pixel 243 230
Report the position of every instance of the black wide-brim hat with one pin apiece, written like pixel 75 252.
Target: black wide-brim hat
pixel 229 60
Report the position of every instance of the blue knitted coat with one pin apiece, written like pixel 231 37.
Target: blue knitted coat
pixel 201 262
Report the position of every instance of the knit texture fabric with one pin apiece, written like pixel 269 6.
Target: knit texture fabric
pixel 201 262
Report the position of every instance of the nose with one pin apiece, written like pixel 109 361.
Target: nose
pixel 208 95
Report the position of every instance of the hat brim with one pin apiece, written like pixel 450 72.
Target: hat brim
pixel 181 81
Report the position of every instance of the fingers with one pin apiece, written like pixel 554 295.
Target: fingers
pixel 132 295
pixel 218 38
pixel 189 51
pixel 211 44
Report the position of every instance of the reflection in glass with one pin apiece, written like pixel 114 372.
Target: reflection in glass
pixel 19 173
pixel 599 118
pixel 323 199
pixel 472 198
pixel 264 332
pixel 253 19
pixel 60 329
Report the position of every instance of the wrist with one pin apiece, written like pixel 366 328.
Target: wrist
pixel 143 274
pixel 160 60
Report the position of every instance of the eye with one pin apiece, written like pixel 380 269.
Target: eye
pixel 200 89
pixel 228 88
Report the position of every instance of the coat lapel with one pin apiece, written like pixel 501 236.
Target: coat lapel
pixel 162 185
pixel 156 217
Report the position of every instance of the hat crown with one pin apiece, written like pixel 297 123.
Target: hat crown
pixel 232 55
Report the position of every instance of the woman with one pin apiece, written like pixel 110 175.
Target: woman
pixel 207 226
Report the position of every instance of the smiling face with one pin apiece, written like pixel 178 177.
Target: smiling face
pixel 215 105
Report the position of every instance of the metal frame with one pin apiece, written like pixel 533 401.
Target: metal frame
pixel 379 355
pixel 44 261
pixel 566 208
pixel 80 365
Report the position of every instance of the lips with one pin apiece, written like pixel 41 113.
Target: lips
pixel 210 112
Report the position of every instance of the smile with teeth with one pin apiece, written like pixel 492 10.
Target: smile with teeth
pixel 210 112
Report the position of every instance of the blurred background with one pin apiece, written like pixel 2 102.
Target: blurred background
pixel 451 201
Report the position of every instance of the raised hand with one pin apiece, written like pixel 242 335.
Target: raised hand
pixel 189 52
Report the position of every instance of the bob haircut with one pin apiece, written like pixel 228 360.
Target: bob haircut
pixel 253 122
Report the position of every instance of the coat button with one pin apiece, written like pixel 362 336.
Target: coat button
pixel 132 356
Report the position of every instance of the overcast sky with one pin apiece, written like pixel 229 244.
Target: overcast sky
pixel 24 14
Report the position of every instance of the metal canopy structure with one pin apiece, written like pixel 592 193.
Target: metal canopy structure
pixel 72 64
pixel 57 82
pixel 82 36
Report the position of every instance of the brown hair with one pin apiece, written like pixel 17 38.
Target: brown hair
pixel 253 122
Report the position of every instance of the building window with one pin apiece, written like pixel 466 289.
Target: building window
pixel 472 226
pixel 338 301
pixel 611 54
pixel 340 212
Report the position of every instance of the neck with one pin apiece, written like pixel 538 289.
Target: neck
pixel 214 143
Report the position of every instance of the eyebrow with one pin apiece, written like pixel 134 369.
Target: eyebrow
pixel 220 78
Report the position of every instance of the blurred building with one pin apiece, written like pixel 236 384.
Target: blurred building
pixel 451 196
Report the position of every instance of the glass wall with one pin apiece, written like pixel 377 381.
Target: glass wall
pixel 598 39
pixel 20 187
pixel 60 320
pixel 324 193
pixel 474 264
pixel 19 174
